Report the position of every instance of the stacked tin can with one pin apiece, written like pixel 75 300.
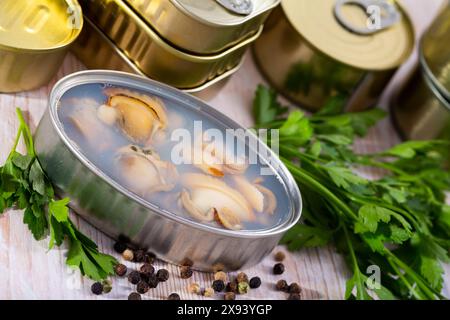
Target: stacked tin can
pixel 311 51
pixel 187 44
pixel 422 109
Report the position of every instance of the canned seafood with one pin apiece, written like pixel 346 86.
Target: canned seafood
pixel 97 51
pixel 34 36
pixel 204 27
pixel 420 111
pixel 104 142
pixel 435 52
pixel 312 50
pixel 154 56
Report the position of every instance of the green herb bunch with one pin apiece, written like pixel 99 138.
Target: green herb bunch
pixel 24 185
pixel 400 222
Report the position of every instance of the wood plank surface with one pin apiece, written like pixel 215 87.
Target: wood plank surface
pixel 29 271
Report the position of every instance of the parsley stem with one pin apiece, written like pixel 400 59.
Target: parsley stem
pixel 304 177
pixel 28 137
pixel 412 290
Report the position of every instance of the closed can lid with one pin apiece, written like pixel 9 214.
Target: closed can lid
pixel 371 35
pixel 435 52
pixel 39 24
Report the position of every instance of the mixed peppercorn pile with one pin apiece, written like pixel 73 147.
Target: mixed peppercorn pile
pixel 146 277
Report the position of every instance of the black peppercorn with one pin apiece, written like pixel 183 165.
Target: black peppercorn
pixel 120 247
pixel 142 287
pixel 255 282
pixel 282 285
pixel 134 277
pixel 120 269
pixel 278 269
pixel 294 296
pixel 294 288
pixel 139 256
pixel 218 285
pixel 97 288
pixel 174 296
pixel 147 269
pixel 231 287
pixel 149 257
pixel 186 272
pixel 134 296
pixel 152 281
pixel 162 275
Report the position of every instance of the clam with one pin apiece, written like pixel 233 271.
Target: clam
pixel 216 161
pixel 139 116
pixel 84 121
pixel 207 198
pixel 261 198
pixel 143 172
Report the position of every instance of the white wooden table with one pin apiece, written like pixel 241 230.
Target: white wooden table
pixel 29 271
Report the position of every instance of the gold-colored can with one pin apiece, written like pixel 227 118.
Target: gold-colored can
pixel 34 37
pixel 435 52
pixel 153 55
pixel 96 51
pixel 420 111
pixel 203 27
pixel 313 50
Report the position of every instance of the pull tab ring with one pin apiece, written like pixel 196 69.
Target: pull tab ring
pixel 242 7
pixel 381 15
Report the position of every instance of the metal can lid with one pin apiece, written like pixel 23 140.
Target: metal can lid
pixel 221 12
pixel 39 24
pixel 365 34
pixel 435 52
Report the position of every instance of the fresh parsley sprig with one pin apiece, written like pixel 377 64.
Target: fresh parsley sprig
pixel 24 185
pixel 399 222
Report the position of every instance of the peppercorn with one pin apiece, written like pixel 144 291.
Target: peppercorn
pixel 134 277
pixel 231 287
pixel 174 296
pixel 295 296
pixel 149 257
pixel 209 292
pixel 220 276
pixel 282 285
pixel 186 262
pixel 152 281
pixel 120 247
pixel 162 275
pixel 280 256
pixel 186 272
pixel 134 296
pixel 107 286
pixel 229 296
pixel 294 288
pixel 120 269
pixel 218 285
pixel 255 282
pixel 278 269
pixel 128 255
pixel 194 288
pixel 142 287
pixel 147 269
pixel 97 288
pixel 243 287
pixel 139 256
pixel 242 277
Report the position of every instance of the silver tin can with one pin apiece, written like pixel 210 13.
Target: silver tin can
pixel 116 211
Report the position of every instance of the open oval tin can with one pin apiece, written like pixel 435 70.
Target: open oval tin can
pixel 114 209
pixel 34 38
pixel 311 51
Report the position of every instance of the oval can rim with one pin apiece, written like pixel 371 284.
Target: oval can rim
pixel 69 82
